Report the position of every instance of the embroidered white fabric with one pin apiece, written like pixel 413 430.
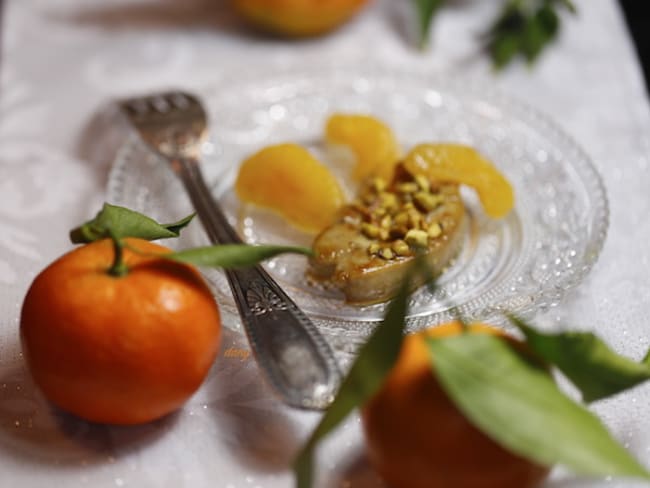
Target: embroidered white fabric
pixel 62 64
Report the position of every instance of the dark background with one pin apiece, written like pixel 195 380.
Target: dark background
pixel 638 20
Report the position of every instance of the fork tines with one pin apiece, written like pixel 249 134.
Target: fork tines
pixel 159 102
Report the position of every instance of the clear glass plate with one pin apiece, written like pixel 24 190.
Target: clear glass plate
pixel 521 264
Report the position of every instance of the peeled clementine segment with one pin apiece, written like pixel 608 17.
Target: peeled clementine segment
pixel 462 164
pixel 372 142
pixel 290 181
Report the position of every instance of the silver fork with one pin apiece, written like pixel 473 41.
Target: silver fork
pixel 296 359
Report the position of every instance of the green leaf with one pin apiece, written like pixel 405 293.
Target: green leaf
pixel 373 362
pixel 539 30
pixel 233 255
pixel 503 49
pixel 521 408
pixel 525 29
pixel 426 9
pixel 596 370
pixel 119 222
pixel 176 227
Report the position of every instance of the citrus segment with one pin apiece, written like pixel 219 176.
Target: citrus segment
pixel 119 350
pixel 373 143
pixel 290 181
pixel 462 164
pixel 417 438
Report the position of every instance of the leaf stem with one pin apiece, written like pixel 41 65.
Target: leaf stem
pixel 118 268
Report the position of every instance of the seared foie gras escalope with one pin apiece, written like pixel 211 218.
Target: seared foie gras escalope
pixel 367 251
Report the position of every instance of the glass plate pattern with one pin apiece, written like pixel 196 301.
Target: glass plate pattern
pixel 522 264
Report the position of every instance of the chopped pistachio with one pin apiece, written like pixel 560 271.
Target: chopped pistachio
pixel 386 253
pixel 378 213
pixel 434 230
pixel 423 182
pixel 401 248
pixel 416 238
pixel 378 184
pixel 415 219
pixel 373 248
pixel 370 230
pixel 384 234
pixel 401 219
pixel 408 187
pixel 388 201
pixel 386 222
pixel 426 201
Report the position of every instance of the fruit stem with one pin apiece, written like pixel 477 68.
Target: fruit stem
pixel 118 268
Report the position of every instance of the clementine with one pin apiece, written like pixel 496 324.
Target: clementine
pixel 298 17
pixel 417 438
pixel 119 350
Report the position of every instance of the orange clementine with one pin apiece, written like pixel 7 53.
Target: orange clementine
pixel 289 180
pixel 298 17
pixel 119 350
pixel 417 438
pixel 462 164
pixel 372 142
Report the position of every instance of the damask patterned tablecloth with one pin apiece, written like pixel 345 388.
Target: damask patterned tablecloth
pixel 63 62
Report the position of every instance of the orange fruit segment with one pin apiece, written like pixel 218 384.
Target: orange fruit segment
pixel 290 181
pixel 373 143
pixel 416 437
pixel 462 164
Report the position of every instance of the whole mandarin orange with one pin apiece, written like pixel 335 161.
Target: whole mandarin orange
pixel 119 350
pixel 298 17
pixel 417 438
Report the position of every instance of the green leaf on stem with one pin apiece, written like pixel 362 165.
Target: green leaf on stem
pixel 119 222
pixel 373 362
pixel 525 29
pixel 519 406
pixel 233 255
pixel 426 10
pixel 596 370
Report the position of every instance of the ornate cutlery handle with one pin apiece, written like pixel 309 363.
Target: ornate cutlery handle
pixel 292 353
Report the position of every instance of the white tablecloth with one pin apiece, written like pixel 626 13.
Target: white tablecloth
pixel 62 61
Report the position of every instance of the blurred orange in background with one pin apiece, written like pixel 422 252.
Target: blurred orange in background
pixel 298 18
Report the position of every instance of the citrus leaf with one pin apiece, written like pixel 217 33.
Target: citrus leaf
pixel 119 222
pixel 596 370
pixel 521 408
pixel 524 29
pixel 539 30
pixel 176 227
pixel 503 49
pixel 233 255
pixel 426 10
pixel 373 362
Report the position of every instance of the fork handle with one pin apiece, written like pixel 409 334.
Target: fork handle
pixel 289 349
